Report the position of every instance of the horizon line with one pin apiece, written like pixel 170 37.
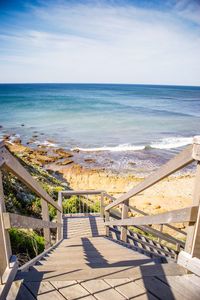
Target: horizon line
pixel 98 83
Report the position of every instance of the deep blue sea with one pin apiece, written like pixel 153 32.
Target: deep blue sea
pixel 110 117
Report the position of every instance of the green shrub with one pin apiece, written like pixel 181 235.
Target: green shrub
pixel 77 204
pixel 26 242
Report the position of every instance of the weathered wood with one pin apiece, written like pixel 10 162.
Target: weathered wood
pixel 193 237
pixel 8 277
pixel 132 208
pixel 45 217
pixel 59 218
pixel 82 192
pixel 14 166
pixel 107 218
pixel 195 251
pixel 188 214
pixel 19 221
pixel 102 205
pixel 125 209
pixel 164 236
pixel 178 162
pixel 5 248
pixel 190 263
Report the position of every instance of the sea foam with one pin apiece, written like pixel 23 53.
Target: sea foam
pixel 165 143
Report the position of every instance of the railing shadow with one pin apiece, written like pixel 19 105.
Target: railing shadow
pixel 93 226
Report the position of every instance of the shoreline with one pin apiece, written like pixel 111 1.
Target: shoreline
pixel 171 193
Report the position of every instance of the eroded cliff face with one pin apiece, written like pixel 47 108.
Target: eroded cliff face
pixel 82 178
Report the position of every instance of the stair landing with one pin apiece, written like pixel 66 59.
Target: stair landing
pixel 98 268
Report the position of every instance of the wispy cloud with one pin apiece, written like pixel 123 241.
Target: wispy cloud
pixel 102 41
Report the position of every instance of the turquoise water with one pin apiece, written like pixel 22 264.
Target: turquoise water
pixel 126 117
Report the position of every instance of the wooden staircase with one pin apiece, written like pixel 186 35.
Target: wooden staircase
pixel 97 256
pixel 96 267
pixel 82 225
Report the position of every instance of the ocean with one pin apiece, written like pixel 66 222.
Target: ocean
pixel 124 124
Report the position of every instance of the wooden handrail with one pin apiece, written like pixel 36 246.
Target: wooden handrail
pixel 8 220
pixel 19 221
pixel 188 214
pixel 131 208
pixel 181 160
pixel 14 166
pixel 84 192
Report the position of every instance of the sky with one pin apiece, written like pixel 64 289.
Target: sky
pixel 108 41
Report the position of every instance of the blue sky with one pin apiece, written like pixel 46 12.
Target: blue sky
pixel 113 41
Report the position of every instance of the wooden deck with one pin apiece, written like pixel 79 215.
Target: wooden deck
pixel 99 268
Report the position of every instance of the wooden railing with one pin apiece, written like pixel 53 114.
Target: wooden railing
pixel 8 262
pixel 84 205
pixel 189 215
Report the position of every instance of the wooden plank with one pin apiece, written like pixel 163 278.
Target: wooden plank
pixel 181 160
pixel 59 234
pixel 14 166
pixel 82 192
pixel 193 237
pixel 163 236
pixel 102 205
pixel 188 214
pixel 19 221
pixel 125 209
pixel 145 268
pixel 107 219
pixel 5 248
pixel 44 291
pixel 183 286
pixel 132 208
pixel 18 291
pixel 159 289
pixel 8 277
pixel 190 263
pixel 45 217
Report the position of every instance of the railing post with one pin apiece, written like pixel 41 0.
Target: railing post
pixel 102 205
pixel 45 217
pixel 59 218
pixel 5 247
pixel 125 209
pixel 193 234
pixel 107 219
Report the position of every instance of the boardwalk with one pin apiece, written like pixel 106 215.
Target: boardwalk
pixel 99 268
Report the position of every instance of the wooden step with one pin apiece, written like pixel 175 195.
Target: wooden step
pixel 41 273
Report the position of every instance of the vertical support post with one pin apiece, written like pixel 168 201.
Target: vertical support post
pixel 5 247
pixel 193 234
pixel 125 209
pixel 59 218
pixel 161 230
pixel 107 218
pixel 102 205
pixel 45 217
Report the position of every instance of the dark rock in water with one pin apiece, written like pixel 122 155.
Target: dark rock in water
pixel 1 126
pixel 41 133
pixel 35 136
pixel 76 150
pixel 17 140
pixel 22 124
pixel 6 136
pixel 90 160
pixel 132 163
pixel 147 147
